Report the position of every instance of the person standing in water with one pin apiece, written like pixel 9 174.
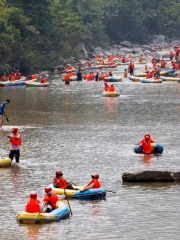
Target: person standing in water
pixel 131 68
pixel 79 75
pixel 2 107
pixel 15 140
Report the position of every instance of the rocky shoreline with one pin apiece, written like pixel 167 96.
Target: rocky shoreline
pixel 125 48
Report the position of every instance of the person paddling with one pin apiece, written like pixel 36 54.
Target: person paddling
pixel 93 184
pixel 60 182
pixel 2 107
pixel 15 139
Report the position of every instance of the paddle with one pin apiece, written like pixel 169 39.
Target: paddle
pixel 68 203
pixel 6 117
pixel 109 191
pixel 38 221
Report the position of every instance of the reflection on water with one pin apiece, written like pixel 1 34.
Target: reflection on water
pixel 74 129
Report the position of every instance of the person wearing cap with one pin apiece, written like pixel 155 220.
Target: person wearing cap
pixel 110 74
pixel 33 204
pixel 146 144
pixel 2 107
pixel 66 78
pixel 60 182
pixel 79 75
pixel 15 140
pixel 50 200
pixel 111 88
pixel 93 184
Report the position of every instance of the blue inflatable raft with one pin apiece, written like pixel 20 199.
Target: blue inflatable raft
pixel 93 193
pixel 155 148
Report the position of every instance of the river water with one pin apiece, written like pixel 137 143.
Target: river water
pixel 75 130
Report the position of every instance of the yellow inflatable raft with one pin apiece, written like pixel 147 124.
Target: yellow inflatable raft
pixel 143 62
pixel 4 162
pixel 110 94
pixel 59 213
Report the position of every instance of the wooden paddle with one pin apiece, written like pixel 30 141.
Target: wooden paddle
pixel 68 203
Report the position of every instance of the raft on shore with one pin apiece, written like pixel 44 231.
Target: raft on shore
pixel 155 148
pixel 4 162
pixel 151 176
pixel 93 193
pixel 57 214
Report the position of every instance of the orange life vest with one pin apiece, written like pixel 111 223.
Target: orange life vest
pixel 177 51
pixel 10 76
pixel 62 183
pixel 89 77
pixel 146 147
pixel 106 87
pixel 131 66
pixel 33 76
pixel 66 77
pixel 16 141
pixel 43 80
pixel 171 54
pixel 52 199
pixel 96 183
pixel 33 205
pixel 111 89
pixel 176 66
pixel 146 69
pixel 154 65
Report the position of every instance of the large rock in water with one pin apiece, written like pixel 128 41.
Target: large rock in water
pixel 151 176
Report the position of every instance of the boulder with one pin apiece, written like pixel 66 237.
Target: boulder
pixel 126 44
pixel 83 48
pixel 147 52
pixel 148 176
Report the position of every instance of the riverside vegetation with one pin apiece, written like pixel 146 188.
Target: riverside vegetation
pixel 36 35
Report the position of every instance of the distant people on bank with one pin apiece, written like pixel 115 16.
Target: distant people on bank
pixel 15 139
pixel 79 75
pixel 145 143
pixel 93 184
pixel 60 182
pixel 2 111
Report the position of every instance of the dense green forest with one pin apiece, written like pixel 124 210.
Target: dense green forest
pixel 35 34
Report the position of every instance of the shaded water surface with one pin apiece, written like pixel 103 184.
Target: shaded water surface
pixel 75 130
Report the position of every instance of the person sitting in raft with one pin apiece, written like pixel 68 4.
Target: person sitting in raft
pixel 43 80
pixel 93 184
pixel 110 74
pixel 88 64
pixel 172 65
pixel 17 75
pixel 149 75
pixel 156 75
pixel 112 64
pixel 33 204
pixel 141 59
pixel 146 143
pixel 112 88
pixel 106 87
pixel 3 77
pixel 123 59
pixel 125 73
pixel 153 60
pixel 159 48
pixel 168 47
pixel 146 70
pixel 33 76
pixel 69 67
pixel 50 200
pixel 60 182
pixel 10 76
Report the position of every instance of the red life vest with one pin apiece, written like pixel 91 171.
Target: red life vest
pixel 153 60
pixel 171 54
pixel 176 66
pixel 177 51
pixel 146 69
pixel 154 65
pixel 33 205
pixel 10 76
pixel 146 147
pixel 111 89
pixel 106 88
pixel 131 66
pixel 43 80
pixel 52 199
pixel 16 141
pixel 66 77
pixel 33 76
pixel 95 185
pixel 163 64
pixel 62 183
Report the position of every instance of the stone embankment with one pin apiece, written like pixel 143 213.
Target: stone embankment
pixel 151 176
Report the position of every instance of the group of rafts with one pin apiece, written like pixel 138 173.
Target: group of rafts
pixel 15 79
pixel 92 191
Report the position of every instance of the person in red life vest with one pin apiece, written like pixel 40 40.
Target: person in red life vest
pixel 66 78
pixel 112 64
pixel 131 67
pixel 141 59
pixel 148 75
pixel 13 78
pixel 33 77
pixel 174 46
pixel 43 80
pixel 146 70
pixel 88 64
pixel 17 76
pixel 106 87
pixel 168 47
pixel 105 75
pixel 93 184
pixel 84 75
pixel 125 73
pixel 50 200
pixel 159 48
pixel 146 143
pixel 171 55
pixel 154 65
pixel 130 57
pixel 110 74
pixel 156 75
pixel 69 67
pixel 101 76
pixel 3 77
pixel 163 63
pixel 123 59
pixel 112 88
pixel 33 204
pixel 10 76
pixel 153 60
pixel 89 77
pixel 173 65
pixel 15 140
pixel 60 182
pixel 177 54
pixel 92 75
pixel 16 72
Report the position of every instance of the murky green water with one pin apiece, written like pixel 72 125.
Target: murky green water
pixel 75 130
